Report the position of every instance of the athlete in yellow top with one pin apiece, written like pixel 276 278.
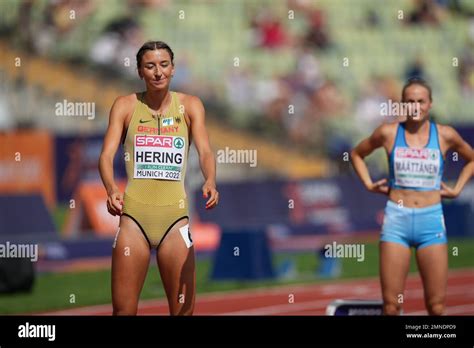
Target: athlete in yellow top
pixel 156 127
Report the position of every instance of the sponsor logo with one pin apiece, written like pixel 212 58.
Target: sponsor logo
pixel 178 143
pixel 167 121
pixel 145 121
pixel 154 140
pixel 405 152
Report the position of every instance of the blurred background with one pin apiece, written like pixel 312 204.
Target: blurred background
pixel 298 82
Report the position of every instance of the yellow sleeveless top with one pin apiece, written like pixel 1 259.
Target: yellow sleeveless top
pixel 156 151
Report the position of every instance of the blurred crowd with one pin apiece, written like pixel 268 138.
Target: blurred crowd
pixel 295 105
pixel 298 104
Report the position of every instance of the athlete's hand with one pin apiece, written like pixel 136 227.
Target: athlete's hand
pixel 115 202
pixel 379 187
pixel 209 191
pixel 448 192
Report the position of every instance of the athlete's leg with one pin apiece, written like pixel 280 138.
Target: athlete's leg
pixel 130 260
pixel 394 267
pixel 433 265
pixel 177 270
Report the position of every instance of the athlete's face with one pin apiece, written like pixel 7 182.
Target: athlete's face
pixel 156 69
pixel 419 99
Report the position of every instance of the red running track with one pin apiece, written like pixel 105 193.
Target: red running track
pixel 310 299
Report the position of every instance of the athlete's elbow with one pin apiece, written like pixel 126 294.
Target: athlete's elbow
pixel 354 154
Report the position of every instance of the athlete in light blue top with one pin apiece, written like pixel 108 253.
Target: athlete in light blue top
pixel 416 150
pixel 416 169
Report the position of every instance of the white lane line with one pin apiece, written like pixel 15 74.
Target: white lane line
pixel 307 305
pixel 342 285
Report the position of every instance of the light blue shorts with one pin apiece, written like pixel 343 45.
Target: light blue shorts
pixel 414 227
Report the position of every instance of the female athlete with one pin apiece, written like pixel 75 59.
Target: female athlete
pixel 156 128
pixel 416 151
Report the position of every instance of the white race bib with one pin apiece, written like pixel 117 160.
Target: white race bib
pixel 159 157
pixel 186 234
pixel 416 167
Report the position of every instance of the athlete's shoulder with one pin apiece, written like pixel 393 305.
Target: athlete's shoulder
pixel 123 106
pixel 444 128
pixel 446 132
pixel 383 135
pixel 125 101
pixel 188 99
pixel 386 130
pixel 192 104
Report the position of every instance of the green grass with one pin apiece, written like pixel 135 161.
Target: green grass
pixel 55 290
pixel 59 216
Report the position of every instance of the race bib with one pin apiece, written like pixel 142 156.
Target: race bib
pixel 186 234
pixel 416 167
pixel 159 157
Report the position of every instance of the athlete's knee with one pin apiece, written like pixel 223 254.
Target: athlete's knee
pixel 435 308
pixel 391 308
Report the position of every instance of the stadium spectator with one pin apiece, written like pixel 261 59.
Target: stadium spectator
pixel 267 31
pixel 372 18
pixel 6 115
pixel 466 72
pixel 367 110
pixel 308 71
pixel 240 89
pixel 425 12
pixel 117 42
pixel 328 101
pixel 416 69
pixel 60 17
pixel 317 34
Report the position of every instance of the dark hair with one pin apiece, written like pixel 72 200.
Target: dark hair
pixel 416 81
pixel 151 46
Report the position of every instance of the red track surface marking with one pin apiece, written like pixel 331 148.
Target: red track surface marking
pixel 311 299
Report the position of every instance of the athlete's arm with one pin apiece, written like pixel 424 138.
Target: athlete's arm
pixel 457 144
pixel 112 138
pixel 207 161
pixel 362 150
